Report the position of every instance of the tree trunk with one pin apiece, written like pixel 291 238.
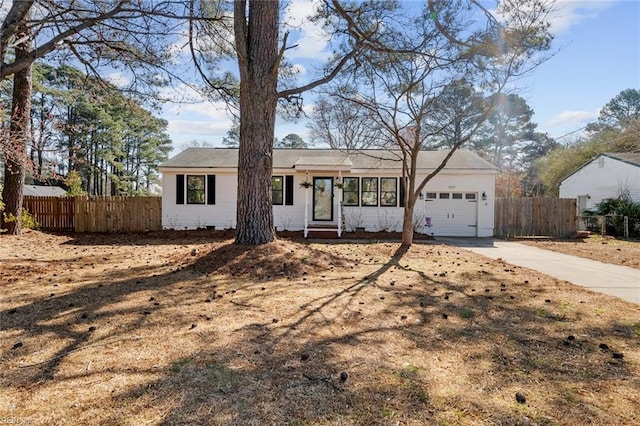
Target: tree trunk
pixel 257 47
pixel 407 224
pixel 19 134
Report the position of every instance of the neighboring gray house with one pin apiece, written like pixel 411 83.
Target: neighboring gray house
pixel 356 190
pixel 43 191
pixel 608 175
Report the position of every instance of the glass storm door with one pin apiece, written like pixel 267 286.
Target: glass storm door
pixel 323 198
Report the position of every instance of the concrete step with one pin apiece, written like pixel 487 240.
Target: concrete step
pixel 322 232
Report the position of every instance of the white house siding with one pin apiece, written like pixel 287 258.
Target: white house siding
pixel 604 177
pixel 390 218
pixel 457 216
pixel 221 215
pixel 291 218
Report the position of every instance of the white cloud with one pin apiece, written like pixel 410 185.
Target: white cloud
pixel 204 120
pixel 298 69
pixel 569 13
pixel 215 110
pixel 118 79
pixel 573 117
pixel 309 37
pixel 198 127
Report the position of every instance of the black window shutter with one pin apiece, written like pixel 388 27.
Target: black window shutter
pixel 402 183
pixel 288 190
pixel 211 189
pixel 179 189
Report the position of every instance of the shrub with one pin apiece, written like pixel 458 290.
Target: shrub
pixel 27 220
pixel 616 209
pixel 74 184
pixel 619 207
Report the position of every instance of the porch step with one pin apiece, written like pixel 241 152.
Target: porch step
pixel 322 232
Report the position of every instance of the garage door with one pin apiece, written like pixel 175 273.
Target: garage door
pixel 452 214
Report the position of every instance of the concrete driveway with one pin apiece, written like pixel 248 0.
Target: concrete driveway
pixel 619 281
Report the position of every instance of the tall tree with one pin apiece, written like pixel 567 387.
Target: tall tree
pixel 343 125
pixel 43 124
pixel 458 108
pixel 89 126
pixel 260 54
pixel 256 27
pixel 616 130
pixel 19 135
pixel 564 160
pixel 232 138
pixel 503 137
pixel 121 34
pixel 292 141
pixel 405 89
pixel 540 145
pixel 505 131
pixel 619 111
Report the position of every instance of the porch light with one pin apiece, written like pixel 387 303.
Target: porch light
pixel 484 196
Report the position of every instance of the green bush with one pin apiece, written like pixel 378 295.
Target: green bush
pixel 27 220
pixel 615 209
pixel 618 207
pixel 74 184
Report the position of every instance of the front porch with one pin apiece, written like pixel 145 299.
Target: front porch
pixel 323 216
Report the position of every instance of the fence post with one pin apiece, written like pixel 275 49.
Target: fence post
pixel 626 227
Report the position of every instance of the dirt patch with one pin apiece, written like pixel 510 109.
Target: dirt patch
pixel 603 249
pixel 188 328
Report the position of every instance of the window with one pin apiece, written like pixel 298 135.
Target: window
pixel 388 192
pixel 350 191
pixel 456 196
pixel 444 196
pixel 277 190
pixel 369 191
pixel 470 196
pixel 195 189
pixel 431 195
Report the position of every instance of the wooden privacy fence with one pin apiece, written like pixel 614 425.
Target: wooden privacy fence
pixel 526 217
pixel 52 213
pixel 96 214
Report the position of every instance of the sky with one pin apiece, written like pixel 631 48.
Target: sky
pixel 596 55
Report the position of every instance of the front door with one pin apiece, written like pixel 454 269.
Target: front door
pixel 323 198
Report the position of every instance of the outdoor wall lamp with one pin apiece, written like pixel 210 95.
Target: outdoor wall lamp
pixel 484 196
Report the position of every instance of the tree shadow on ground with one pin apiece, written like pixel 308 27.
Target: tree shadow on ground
pixel 289 371
pixel 418 343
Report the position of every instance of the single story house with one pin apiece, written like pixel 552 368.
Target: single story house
pixel 326 188
pixel 607 175
pixel 43 191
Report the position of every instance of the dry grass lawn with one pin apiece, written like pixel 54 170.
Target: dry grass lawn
pixel 603 249
pixel 189 329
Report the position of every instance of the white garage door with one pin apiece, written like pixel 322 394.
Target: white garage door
pixel 452 214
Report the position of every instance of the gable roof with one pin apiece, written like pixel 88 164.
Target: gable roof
pixel 632 158
pixel 43 191
pixel 327 159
